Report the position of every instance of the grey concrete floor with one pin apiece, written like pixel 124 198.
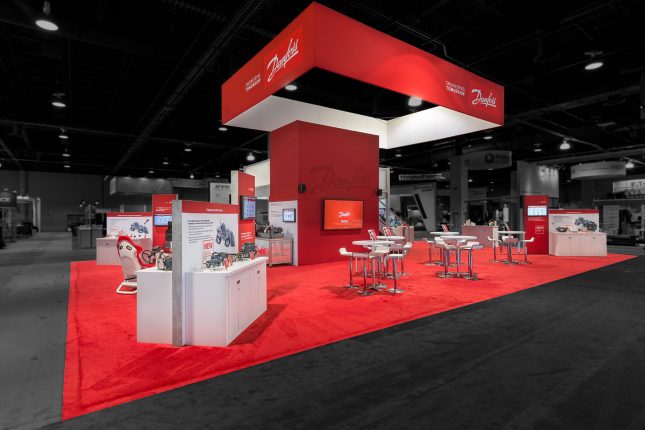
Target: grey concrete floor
pixel 34 286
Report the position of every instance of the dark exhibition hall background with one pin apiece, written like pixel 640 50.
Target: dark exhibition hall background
pixel 123 90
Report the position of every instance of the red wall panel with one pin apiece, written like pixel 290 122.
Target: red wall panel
pixel 334 164
pixel 284 163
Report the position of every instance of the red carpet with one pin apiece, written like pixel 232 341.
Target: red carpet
pixel 308 307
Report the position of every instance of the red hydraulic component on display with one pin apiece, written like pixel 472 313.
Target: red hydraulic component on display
pixel 536 223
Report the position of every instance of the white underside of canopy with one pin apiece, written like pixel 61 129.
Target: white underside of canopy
pixel 423 126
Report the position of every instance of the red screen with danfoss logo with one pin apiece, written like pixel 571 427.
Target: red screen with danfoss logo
pixel 343 214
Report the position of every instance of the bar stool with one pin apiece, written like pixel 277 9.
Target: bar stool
pixel 365 291
pixel 446 250
pixel 395 275
pixel 371 233
pixel 469 247
pixel 525 248
pixel 351 256
pixel 430 249
pixel 496 244
pixel 509 242
pixel 378 255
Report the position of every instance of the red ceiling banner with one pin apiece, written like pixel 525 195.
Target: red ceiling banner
pixel 320 37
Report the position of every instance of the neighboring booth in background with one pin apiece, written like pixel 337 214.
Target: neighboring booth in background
pixel 482 232
pixel 161 215
pixel 536 219
pixel 243 194
pixel 136 225
pixel 220 192
pixel 575 232
pixel 214 306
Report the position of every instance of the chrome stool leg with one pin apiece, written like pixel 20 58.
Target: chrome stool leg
pixel 365 291
pixel 395 290
pixel 351 274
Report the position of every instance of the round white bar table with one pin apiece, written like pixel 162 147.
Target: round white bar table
pixel 444 233
pixel 394 238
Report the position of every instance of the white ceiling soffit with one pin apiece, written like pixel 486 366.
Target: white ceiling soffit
pixel 424 126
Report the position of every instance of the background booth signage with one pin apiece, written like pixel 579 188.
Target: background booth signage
pixel 421 177
pixel 599 170
pixel 8 199
pixel 578 220
pixel 484 160
pixel 611 219
pixel 629 186
pixel 220 192
pixel 137 225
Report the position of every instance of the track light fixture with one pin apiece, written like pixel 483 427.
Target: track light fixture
pixel 565 145
pixel 250 156
pixel 44 20
pixel 414 101
pixel 594 62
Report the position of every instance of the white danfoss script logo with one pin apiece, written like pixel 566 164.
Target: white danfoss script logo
pixel 275 64
pixel 486 101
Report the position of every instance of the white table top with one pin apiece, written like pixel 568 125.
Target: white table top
pixel 444 233
pixel 460 237
pixel 370 243
pixel 390 237
pixel 511 232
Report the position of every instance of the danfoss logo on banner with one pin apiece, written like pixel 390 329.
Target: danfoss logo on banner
pixel 284 55
pixel 344 214
pixel 489 101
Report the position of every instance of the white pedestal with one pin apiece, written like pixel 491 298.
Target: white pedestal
pixel 107 254
pixel 578 244
pixel 219 305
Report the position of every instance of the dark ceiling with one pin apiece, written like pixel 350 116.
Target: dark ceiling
pixel 142 79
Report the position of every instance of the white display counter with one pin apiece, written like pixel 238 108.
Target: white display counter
pixel 107 254
pixel 578 244
pixel 219 305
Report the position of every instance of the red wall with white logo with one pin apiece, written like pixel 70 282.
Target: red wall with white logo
pixel 537 226
pixel 334 164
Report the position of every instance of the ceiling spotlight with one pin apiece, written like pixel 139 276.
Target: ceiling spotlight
pixel 398 154
pixel 470 180
pixel 594 65
pixel 250 157
pixel 629 165
pixel 67 166
pixel 538 149
pixel 63 136
pixel 57 101
pixel 44 21
pixel 414 102
pixel 165 162
pixel 192 176
pixel 488 137
pixel 66 154
pixel 151 172
pixel 187 148
pixel 222 128
pixel 217 175
pixel 291 87
pixel 565 145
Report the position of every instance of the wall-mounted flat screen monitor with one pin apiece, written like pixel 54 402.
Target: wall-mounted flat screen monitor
pixel 247 207
pixel 343 214
pixel 536 211
pixel 161 219
pixel 289 215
